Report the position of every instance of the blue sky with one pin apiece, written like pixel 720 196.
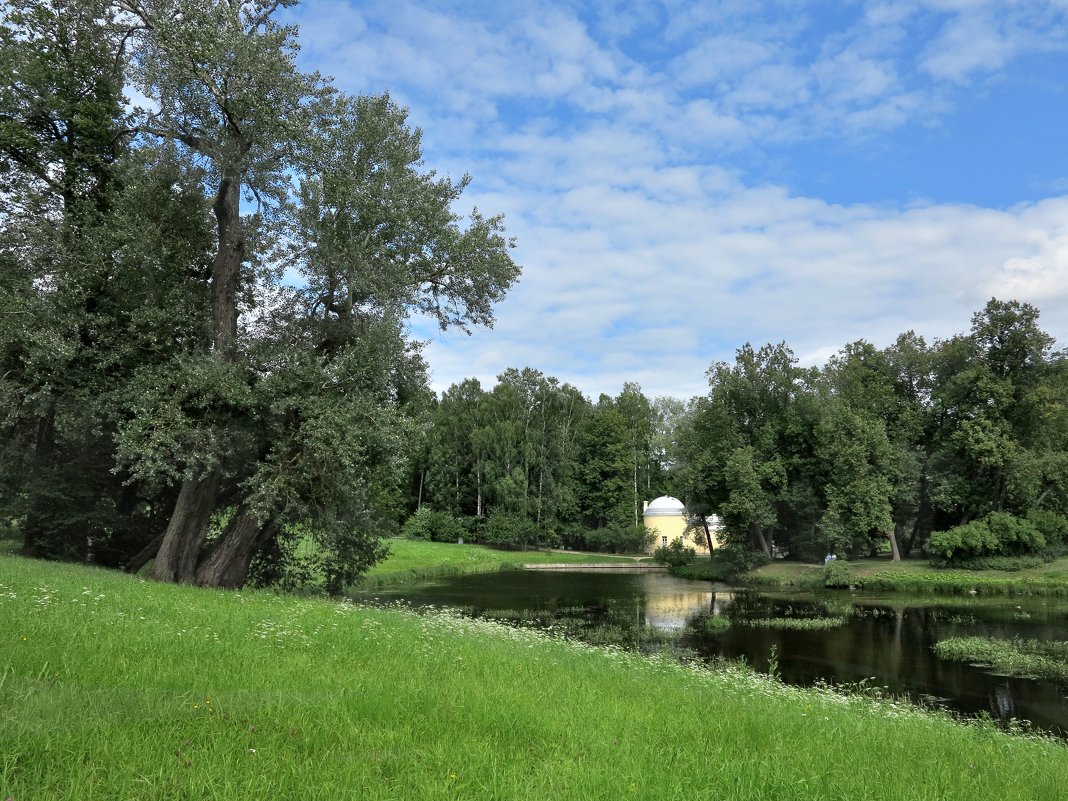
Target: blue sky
pixel 684 177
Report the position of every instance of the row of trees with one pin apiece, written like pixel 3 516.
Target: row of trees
pixel 881 445
pixel 537 462
pixel 203 346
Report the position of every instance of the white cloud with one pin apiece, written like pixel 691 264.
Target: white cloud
pixel 647 254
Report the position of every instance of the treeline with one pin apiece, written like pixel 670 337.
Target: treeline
pixel 883 447
pixel 535 462
pixel 958 450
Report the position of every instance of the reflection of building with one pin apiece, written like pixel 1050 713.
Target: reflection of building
pixel 670 610
pixel 668 518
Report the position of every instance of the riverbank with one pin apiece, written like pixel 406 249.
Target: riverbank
pixel 115 687
pixel 919 576
pixel 414 560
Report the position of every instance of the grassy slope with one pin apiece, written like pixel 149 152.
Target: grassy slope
pixel 117 688
pixel 918 575
pixel 411 559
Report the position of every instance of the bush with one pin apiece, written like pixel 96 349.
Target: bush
pixel 1052 526
pixel 838 575
pixel 741 560
pixel 1006 563
pixel 997 534
pixel 428 524
pixel 510 530
pixel 613 539
pixel 702 570
pixel 675 554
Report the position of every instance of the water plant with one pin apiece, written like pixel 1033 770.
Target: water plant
pixel 1040 659
pixel 795 623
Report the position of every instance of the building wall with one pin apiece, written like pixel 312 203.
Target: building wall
pixel 670 528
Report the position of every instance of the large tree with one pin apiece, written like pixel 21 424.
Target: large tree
pixel 328 233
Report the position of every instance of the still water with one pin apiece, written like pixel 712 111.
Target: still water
pixel 886 640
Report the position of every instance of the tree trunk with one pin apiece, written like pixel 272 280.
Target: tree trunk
pixel 226 266
pixel 708 536
pixel 43 473
pixel 894 551
pixel 762 540
pixel 177 557
pixel 141 558
pixel 227 564
pixel 188 526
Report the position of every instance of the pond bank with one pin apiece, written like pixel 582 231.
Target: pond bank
pixel 919 576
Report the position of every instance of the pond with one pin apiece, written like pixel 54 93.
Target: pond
pixel 883 641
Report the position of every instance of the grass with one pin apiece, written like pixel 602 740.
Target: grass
pixel 794 623
pixel 118 688
pixel 920 576
pixel 411 560
pixel 1039 659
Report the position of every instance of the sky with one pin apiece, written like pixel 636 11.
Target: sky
pixel 683 177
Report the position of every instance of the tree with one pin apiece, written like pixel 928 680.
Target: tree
pixel 286 414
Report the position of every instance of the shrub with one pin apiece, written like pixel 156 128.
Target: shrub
pixel 612 539
pixel 428 524
pixel 997 534
pixel 512 530
pixel 702 570
pixel 838 574
pixel 1006 563
pixel 1052 526
pixel 675 554
pixel 741 560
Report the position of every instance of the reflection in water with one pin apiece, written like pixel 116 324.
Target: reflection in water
pixel 673 611
pixel 883 641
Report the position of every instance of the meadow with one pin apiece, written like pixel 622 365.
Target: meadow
pixel 118 688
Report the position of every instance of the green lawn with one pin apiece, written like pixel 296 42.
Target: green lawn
pixel 413 559
pixel 918 575
pixel 116 688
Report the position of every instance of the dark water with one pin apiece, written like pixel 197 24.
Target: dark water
pixel 886 642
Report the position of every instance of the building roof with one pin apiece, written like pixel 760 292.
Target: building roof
pixel 665 506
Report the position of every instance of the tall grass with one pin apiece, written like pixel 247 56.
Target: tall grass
pixel 117 688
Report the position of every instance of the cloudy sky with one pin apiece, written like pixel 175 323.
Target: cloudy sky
pixel 685 176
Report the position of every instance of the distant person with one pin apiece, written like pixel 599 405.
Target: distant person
pixel 829 558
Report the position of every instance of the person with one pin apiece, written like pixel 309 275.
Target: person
pixel 829 558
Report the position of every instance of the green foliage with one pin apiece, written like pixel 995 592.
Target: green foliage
pixel 702 570
pixel 740 559
pixel 1006 563
pixel 1052 526
pixel 430 524
pixel 510 530
pixel 611 539
pixel 838 574
pixel 675 554
pixel 997 534
pixel 716 624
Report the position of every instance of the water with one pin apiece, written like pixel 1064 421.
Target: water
pixel 885 642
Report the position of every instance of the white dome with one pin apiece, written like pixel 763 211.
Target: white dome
pixel 665 506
